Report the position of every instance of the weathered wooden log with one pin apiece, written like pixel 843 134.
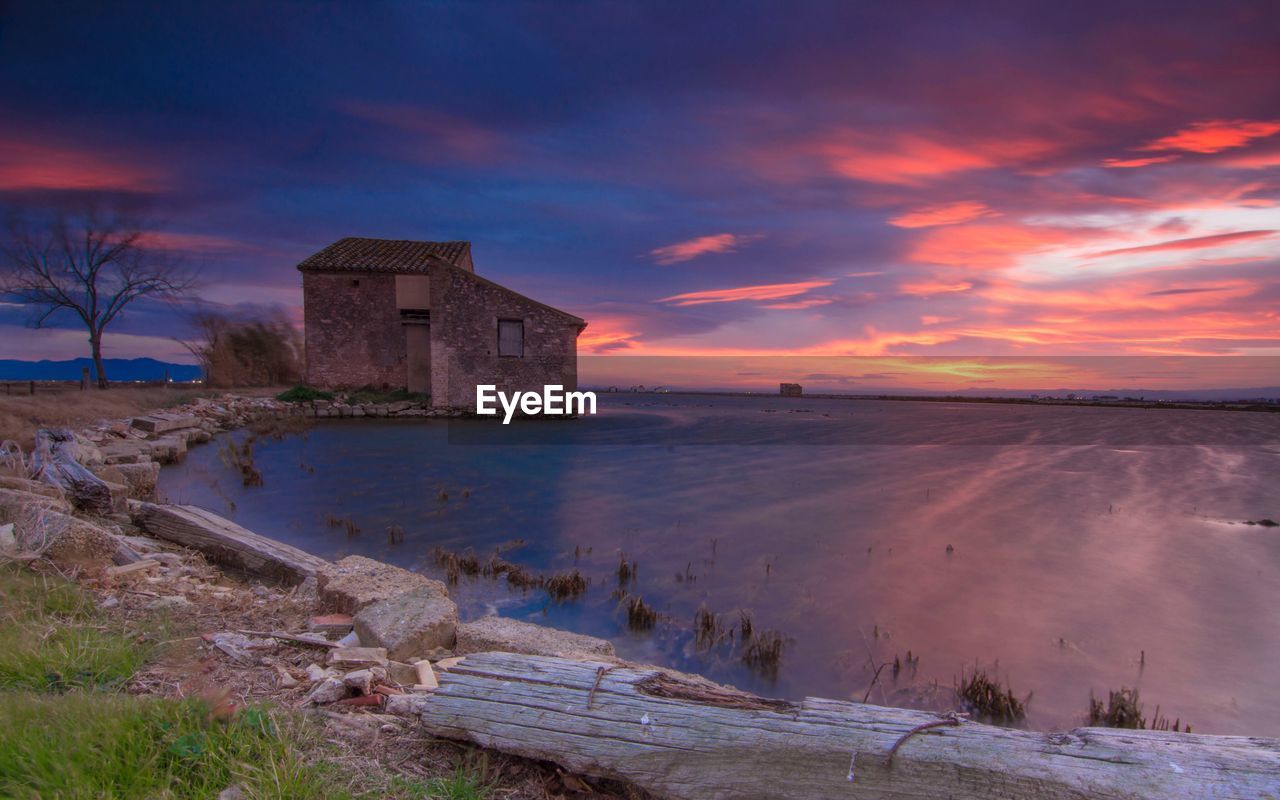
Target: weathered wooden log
pixel 54 461
pixel 225 542
pixel 683 737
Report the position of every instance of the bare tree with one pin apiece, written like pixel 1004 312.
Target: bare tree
pixel 93 264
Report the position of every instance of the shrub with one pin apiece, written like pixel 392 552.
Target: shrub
pixel 303 394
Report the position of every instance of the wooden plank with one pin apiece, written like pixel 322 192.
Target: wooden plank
pixel 54 461
pixel 682 737
pixel 226 543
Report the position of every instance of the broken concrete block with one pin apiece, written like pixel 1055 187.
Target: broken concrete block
pixel 401 673
pixel 315 672
pixel 357 657
pixel 140 478
pixel 365 679
pixel 7 539
pixel 407 705
pixel 512 636
pixel 329 690
pixel 410 624
pixel 349 585
pixel 426 675
pixel 162 423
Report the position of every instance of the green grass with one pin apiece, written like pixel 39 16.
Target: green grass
pixel 303 394
pixel 52 638
pixel 67 732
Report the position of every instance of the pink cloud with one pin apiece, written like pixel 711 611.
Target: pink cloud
pixel 945 214
pixel 986 246
pixel 1191 243
pixel 771 291
pixel 433 135
pixel 1131 163
pixel 1212 136
pixel 702 245
pixel 28 165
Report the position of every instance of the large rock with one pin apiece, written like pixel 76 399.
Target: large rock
pixel 69 540
pixel 138 480
pixel 14 502
pixel 141 479
pixel 349 585
pixel 162 422
pixel 29 486
pixel 410 624
pixel 513 636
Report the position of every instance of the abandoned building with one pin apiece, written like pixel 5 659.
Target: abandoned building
pixel 412 315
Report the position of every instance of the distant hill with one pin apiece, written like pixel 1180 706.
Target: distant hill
pixel 118 369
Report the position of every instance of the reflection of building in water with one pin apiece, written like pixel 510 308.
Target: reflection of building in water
pixel 790 389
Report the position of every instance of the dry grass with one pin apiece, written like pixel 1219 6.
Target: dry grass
pixel 21 414
pixel 1124 710
pixel 988 699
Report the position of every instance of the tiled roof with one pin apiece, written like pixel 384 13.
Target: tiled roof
pixel 356 254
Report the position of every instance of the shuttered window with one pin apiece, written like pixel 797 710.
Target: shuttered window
pixel 511 337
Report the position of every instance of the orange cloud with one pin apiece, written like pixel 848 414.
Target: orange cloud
pixel 899 159
pixel 27 165
pixel 1130 163
pixel 945 214
pixel 771 291
pixel 984 246
pixel 1212 136
pixel 692 248
pixel 1192 243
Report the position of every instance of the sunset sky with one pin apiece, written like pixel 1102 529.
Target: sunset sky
pixel 823 179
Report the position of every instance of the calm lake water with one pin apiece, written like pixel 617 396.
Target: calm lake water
pixel 1081 538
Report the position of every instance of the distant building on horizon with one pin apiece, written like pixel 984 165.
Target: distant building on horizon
pixel 399 314
pixel 790 390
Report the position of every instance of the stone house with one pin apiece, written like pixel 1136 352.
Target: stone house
pixel 411 315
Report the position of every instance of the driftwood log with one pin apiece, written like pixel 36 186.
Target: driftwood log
pixel 226 543
pixel 683 737
pixel 54 461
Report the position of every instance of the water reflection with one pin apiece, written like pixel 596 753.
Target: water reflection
pixel 1068 561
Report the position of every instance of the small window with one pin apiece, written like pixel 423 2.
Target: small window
pixel 355 282
pixel 511 337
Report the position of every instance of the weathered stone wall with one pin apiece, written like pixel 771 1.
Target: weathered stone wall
pixel 465 310
pixel 353 331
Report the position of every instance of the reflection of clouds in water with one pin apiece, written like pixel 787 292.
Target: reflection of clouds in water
pixel 1068 560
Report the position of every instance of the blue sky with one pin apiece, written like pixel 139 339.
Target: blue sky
pixel 776 178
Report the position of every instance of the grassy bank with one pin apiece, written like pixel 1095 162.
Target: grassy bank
pixel 70 730
pixel 63 405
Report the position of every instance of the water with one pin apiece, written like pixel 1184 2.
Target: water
pixel 1082 537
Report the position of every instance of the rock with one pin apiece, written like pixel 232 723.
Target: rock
pixel 365 679
pixel 17 503
pixel 70 540
pixel 357 657
pixel 315 672
pixel 28 486
pixel 410 624
pixel 161 423
pixel 286 681
pixel 140 478
pixel 8 541
pixel 402 673
pixel 329 690
pixel 512 636
pixel 169 603
pixel 407 705
pixel 349 585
